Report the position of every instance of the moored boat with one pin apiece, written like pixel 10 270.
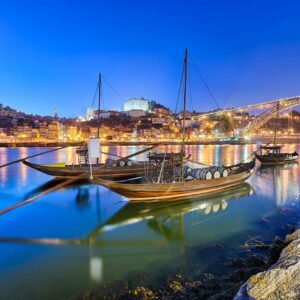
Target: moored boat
pixel 111 172
pixel 180 190
pixel 272 155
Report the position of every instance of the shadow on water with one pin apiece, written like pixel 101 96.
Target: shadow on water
pixel 156 214
pixel 52 183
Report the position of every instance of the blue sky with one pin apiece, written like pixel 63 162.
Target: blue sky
pixel 51 52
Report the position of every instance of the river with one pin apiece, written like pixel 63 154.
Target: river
pixel 84 236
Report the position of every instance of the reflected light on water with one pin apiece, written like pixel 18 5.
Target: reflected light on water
pixel 96 269
pixel 24 169
pixel 3 171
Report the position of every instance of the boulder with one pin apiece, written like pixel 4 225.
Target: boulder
pixel 281 281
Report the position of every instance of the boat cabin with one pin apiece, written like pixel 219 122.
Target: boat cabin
pixel 163 167
pixel 270 149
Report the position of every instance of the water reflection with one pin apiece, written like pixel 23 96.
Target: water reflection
pixel 163 213
pixel 85 234
pixel 166 227
pixel 160 217
pixel 279 182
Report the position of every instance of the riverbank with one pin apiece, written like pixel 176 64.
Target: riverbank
pixel 38 144
pixel 260 140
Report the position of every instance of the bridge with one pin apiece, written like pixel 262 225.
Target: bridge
pixel 270 111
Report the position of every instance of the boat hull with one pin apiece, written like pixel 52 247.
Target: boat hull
pixel 177 190
pixel 108 173
pixel 277 160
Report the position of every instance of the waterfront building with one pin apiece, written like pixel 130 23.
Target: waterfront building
pixel 136 104
pixel 90 113
pixel 54 130
pixel 136 113
pixel 72 133
pixel 43 132
pixel 109 114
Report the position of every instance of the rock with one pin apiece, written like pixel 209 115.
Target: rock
pixel 281 281
pixel 275 250
pixel 253 242
pixel 139 293
pixel 236 262
pixel 255 261
pixel 293 236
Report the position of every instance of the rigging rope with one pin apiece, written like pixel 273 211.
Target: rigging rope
pixel 95 95
pixel 113 88
pixel 205 84
pixel 190 90
pixel 180 88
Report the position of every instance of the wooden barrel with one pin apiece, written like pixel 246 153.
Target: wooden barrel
pixel 205 174
pixel 193 173
pixel 187 171
pixel 224 172
pixel 198 174
pixel 122 163
pixel 215 172
pixel 201 173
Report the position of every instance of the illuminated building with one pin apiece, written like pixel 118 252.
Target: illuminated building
pixel 136 113
pixel 54 130
pixel 136 104
pixel 90 112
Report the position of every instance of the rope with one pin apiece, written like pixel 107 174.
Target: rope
pixel 170 187
pixel 179 91
pixel 190 90
pixel 205 84
pixel 112 88
pixel 95 95
pixel 162 167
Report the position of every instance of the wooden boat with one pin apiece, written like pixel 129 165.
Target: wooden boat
pixel 182 189
pixel 117 172
pixel 168 175
pixel 271 155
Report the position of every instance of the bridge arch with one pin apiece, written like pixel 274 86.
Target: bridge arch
pixel 263 118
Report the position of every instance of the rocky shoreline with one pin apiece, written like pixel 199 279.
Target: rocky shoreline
pixel 260 256
pixel 281 280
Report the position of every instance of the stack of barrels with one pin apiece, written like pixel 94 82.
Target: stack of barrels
pixel 121 163
pixel 206 173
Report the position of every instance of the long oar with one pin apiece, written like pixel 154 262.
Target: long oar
pixel 64 183
pixel 30 156
pixel 111 154
pixel 115 155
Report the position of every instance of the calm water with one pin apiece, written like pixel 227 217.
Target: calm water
pixel 84 235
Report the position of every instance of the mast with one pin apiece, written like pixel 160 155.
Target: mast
pixel 184 113
pixel 98 114
pixel 275 131
pixel 99 98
